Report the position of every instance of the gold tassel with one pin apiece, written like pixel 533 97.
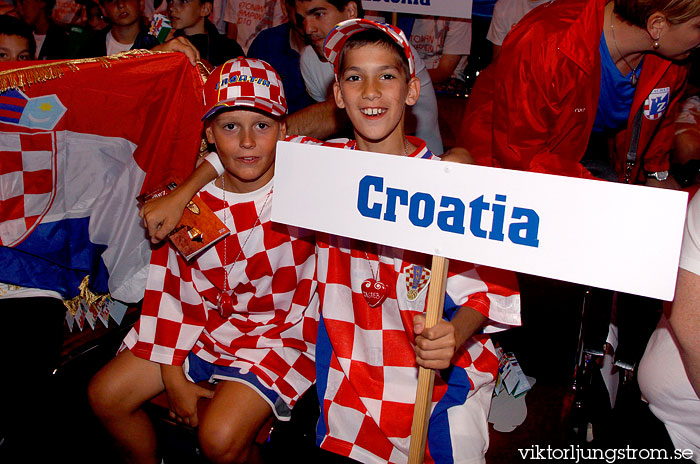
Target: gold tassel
pixel 86 295
pixel 26 77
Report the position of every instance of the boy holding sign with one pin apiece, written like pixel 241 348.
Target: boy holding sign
pixel 372 334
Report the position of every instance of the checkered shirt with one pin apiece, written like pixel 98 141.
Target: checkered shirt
pixel 366 366
pixel 28 173
pixel 273 286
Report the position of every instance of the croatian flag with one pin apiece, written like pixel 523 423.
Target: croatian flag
pixel 75 152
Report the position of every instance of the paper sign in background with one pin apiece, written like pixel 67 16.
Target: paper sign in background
pixel 449 8
pixel 607 235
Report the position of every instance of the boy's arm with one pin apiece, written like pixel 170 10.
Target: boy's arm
pixel 320 120
pixel 182 394
pixel 161 215
pixel 436 346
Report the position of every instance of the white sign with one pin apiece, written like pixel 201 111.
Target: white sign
pixel 607 235
pixel 449 8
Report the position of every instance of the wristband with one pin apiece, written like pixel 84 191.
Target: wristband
pixel 213 159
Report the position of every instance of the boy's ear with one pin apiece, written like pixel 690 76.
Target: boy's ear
pixel 205 10
pixel 413 91
pixel 283 131
pixel 338 94
pixel 210 135
pixel 350 10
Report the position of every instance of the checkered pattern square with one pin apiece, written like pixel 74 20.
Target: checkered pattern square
pixel 245 82
pixel 27 187
pixel 272 329
pixel 339 35
pixel 372 375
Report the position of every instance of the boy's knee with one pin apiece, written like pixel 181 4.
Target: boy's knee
pixel 222 443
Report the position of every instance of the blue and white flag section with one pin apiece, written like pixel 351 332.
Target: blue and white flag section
pixel 75 151
pixel 607 235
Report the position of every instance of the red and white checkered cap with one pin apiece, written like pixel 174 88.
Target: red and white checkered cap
pixel 245 82
pixel 342 31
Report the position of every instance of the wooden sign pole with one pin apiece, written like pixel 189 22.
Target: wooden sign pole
pixel 424 392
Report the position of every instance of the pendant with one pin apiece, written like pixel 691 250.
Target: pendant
pixel 374 292
pixel 633 79
pixel 225 303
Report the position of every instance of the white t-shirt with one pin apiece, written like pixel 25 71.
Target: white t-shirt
pixel 318 78
pixel 253 16
pixel 434 36
pixel 116 47
pixel 506 14
pixel 662 376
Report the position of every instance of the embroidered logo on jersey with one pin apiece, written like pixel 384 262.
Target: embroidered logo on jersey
pixel 28 163
pixel 42 112
pixel 656 103
pixel 417 278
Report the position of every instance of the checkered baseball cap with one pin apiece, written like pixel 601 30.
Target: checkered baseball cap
pixel 244 82
pixel 342 31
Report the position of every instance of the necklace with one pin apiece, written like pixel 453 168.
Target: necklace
pixel 226 300
pixel 373 289
pixel 633 79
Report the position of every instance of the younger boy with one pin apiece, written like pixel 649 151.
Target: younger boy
pixel 236 314
pixel 125 32
pixel 368 354
pixel 189 18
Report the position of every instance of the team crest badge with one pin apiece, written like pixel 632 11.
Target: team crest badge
pixel 28 163
pixel 656 103
pixel 42 112
pixel 417 278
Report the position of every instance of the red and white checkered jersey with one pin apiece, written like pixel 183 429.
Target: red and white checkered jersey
pixel 273 286
pixel 366 364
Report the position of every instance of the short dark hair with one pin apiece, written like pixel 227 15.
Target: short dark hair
pixel 9 25
pixel 374 37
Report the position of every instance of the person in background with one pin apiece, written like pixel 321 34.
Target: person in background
pixel 16 40
pixel 189 19
pixel 96 19
pixel 125 31
pixel 51 40
pixel 444 44
pixel 281 47
pixel 669 372
pixel 506 14
pixel 245 19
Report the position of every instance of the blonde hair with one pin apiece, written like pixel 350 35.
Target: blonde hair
pixel 637 12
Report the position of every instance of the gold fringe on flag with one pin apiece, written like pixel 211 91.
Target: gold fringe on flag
pixel 36 74
pixel 86 295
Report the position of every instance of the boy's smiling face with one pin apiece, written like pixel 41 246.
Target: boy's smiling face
pixel 373 89
pixel 14 48
pixel 246 141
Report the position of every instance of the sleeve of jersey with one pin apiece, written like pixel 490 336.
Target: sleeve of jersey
pixel 492 292
pixel 173 314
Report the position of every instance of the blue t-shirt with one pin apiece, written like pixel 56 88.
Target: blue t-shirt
pixel 616 94
pixel 272 45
